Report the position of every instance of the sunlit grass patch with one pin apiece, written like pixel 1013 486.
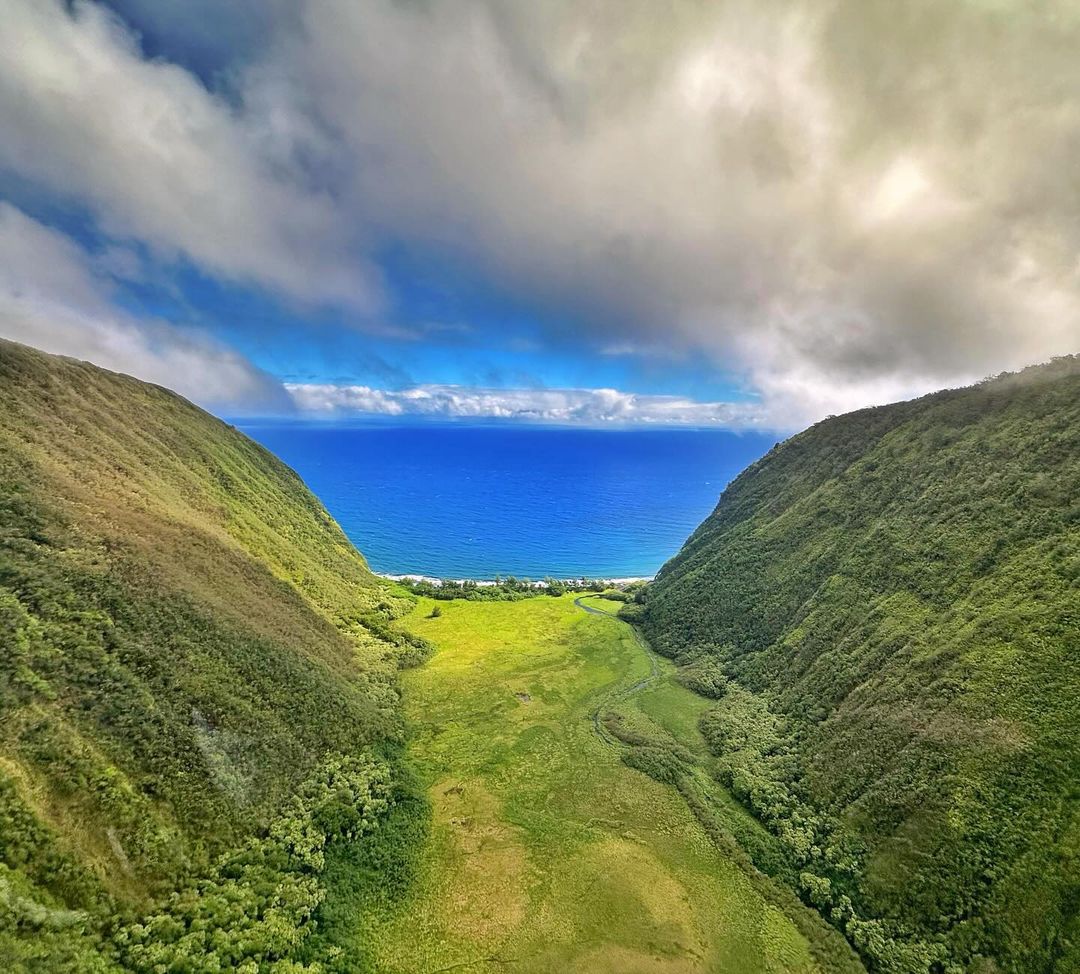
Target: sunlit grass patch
pixel 547 852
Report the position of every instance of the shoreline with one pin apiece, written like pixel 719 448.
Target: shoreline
pixel 491 582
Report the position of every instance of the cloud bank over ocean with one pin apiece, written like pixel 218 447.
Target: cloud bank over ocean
pixel 586 407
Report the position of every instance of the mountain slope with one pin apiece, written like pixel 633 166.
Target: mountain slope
pixel 189 643
pixel 888 608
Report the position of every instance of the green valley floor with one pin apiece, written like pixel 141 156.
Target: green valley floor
pixel 547 852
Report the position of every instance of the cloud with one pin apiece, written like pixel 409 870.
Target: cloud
pixel 577 407
pixel 52 297
pixel 843 201
pixel 207 36
pixel 160 158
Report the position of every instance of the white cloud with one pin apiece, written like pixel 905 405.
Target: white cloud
pixel 52 298
pixel 580 407
pixel 837 200
pixel 161 159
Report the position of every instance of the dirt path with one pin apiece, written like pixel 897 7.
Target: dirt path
pixel 592 608
pixel 617 696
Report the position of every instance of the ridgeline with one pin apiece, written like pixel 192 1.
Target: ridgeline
pixel 887 609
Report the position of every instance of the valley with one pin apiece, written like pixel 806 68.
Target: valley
pixel 837 729
pixel 539 488
pixel 547 851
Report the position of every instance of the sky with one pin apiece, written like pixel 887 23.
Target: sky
pixel 594 212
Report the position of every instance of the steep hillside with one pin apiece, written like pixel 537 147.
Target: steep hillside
pixel 195 698
pixel 887 607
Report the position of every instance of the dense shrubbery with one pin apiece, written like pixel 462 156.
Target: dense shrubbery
pixel 887 605
pixel 409 649
pixel 705 676
pixel 187 637
pixel 255 911
pixel 632 612
pixel 661 759
pixel 500 590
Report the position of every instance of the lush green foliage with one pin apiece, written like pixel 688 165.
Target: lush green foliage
pixel 187 636
pixel 887 606
pixel 256 909
pixel 500 590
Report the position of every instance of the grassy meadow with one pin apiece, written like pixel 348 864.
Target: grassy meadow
pixel 546 851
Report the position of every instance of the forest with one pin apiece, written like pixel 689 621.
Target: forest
pixel 198 694
pixel 499 589
pixel 885 610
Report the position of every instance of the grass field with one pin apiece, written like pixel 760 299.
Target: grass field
pixel 546 852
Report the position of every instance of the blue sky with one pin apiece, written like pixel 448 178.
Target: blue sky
pixel 741 215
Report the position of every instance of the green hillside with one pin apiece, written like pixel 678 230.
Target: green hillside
pixel 887 609
pixel 195 695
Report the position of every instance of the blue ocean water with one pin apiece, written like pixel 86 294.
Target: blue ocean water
pixel 474 502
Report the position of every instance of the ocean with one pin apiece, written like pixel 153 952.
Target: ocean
pixel 456 501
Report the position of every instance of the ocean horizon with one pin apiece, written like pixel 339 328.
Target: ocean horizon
pixel 480 502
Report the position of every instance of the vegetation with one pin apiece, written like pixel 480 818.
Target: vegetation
pixel 198 690
pixel 867 724
pixel 508 589
pixel 549 853
pixel 256 909
pixel 885 607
